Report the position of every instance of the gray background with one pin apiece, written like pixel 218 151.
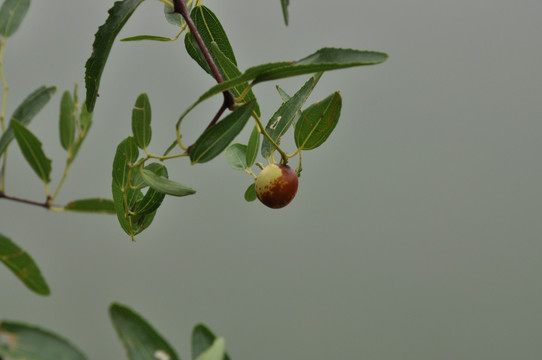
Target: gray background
pixel 416 230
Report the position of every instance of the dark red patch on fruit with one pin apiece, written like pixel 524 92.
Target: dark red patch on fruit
pixel 281 190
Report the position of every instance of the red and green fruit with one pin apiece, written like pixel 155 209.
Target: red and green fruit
pixel 276 185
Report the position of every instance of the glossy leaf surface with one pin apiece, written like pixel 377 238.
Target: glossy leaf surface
pixel 67 120
pixel 26 111
pixel 236 156
pixel 32 150
pixel 12 14
pixel 285 115
pixel 317 122
pixel 141 121
pixel 164 185
pixel 139 338
pixel 95 205
pixel 215 140
pixel 103 41
pixel 22 265
pixel 32 343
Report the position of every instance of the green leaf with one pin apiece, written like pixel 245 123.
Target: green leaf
pixel 195 53
pixel 124 196
pixel 215 352
pixel 85 122
pixel 152 199
pixel 140 340
pixel 202 340
pixel 26 111
pixel 283 94
pixel 85 119
pixel 250 192
pixel 236 155
pixel 173 17
pixel 32 151
pixel 215 139
pixel 67 120
pixel 23 266
pixel 12 14
pixel 285 97
pixel 140 222
pixel 325 59
pixel 120 209
pixel 133 192
pixel 229 70
pixel 253 146
pixel 285 115
pixel 285 4
pixel 210 31
pixel 103 41
pixel 147 37
pixel 176 18
pixel 126 155
pixel 32 343
pixel 141 121
pixel 95 205
pixel 317 122
pixel 164 185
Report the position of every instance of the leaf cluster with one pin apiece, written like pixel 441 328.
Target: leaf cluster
pixel 140 179
pixel 138 337
pixel 208 45
pixel 74 124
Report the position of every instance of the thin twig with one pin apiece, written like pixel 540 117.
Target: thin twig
pixel 46 204
pixel 212 123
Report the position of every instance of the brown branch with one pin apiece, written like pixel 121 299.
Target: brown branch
pixel 180 7
pixel 212 123
pixel 44 204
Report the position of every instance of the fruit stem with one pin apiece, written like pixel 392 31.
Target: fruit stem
pixel 299 166
pixel 298 151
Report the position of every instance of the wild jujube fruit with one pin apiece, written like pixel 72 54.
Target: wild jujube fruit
pixel 276 185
